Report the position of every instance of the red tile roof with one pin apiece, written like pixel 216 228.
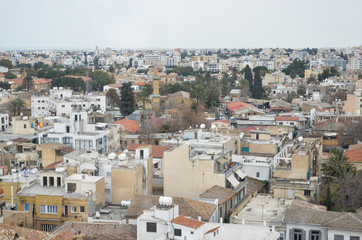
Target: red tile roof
pixel 15 81
pixel 187 222
pixel 236 105
pixel 354 153
pixel 157 151
pixel 212 230
pixel 52 166
pixel 286 118
pixel 40 81
pixel 129 125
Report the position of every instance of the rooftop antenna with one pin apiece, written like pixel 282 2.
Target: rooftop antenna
pixel 86 72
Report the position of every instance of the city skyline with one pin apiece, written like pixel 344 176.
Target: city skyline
pixel 53 24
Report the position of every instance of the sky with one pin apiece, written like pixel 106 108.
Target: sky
pixel 72 24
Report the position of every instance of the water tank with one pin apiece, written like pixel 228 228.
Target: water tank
pixel 60 170
pixel 98 215
pixel 125 203
pixel 94 155
pixel 25 118
pixel 112 156
pixel 165 201
pixel 213 126
pixel 122 156
pixel 202 126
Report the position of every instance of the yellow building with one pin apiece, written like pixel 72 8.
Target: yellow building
pixel 353 104
pixel 56 199
pixel 27 125
pixel 51 152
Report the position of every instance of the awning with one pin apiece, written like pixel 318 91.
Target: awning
pixel 233 180
pixel 222 160
pixel 240 173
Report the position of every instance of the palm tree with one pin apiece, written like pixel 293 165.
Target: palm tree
pixel 28 83
pixel 198 93
pixel 144 97
pixel 17 106
pixel 337 166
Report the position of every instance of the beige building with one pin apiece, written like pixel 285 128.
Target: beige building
pixel 297 173
pixel 126 182
pixel 353 104
pixel 28 125
pixel 51 152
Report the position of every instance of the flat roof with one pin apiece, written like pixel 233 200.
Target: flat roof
pixel 83 178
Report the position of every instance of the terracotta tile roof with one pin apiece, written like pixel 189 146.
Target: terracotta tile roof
pixel 1 192
pixel 338 220
pixel 52 166
pixel 129 125
pixel 157 151
pixel 188 207
pixel 354 155
pixel 286 118
pixel 15 81
pixel 212 230
pixel 187 222
pixel 40 81
pixel 355 147
pixel 217 192
pixel 221 120
pixel 14 232
pixel 81 77
pixel 95 231
pixel 236 105
pixel 66 149
pixel 307 205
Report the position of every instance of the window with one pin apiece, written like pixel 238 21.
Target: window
pixel 72 187
pixel 297 234
pixel 27 207
pixel 307 192
pixel 81 209
pixel 192 232
pixel 73 209
pixel 48 209
pixel 47 227
pixel 315 235
pixel 178 232
pixel 24 125
pixel 151 227
pixel 107 191
pixel 353 238
pixel 338 237
pixel 257 174
pixel 109 174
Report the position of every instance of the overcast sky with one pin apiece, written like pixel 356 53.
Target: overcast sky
pixel 180 24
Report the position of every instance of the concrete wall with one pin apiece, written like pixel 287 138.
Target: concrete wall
pixel 126 183
pixel 188 178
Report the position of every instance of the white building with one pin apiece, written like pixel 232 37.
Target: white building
pixel 151 59
pixel 77 133
pixel 257 167
pixel 164 222
pixel 4 121
pixel 61 102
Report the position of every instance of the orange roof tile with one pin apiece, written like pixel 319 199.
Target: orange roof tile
pixel 212 230
pixel 187 222
pixel 286 118
pixel 52 166
pixel 42 81
pixel 129 125
pixel 236 105
pixel 354 155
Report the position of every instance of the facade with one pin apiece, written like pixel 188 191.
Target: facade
pixel 353 104
pixel 4 122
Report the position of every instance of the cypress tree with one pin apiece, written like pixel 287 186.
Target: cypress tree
pixel 257 86
pixel 127 102
pixel 249 76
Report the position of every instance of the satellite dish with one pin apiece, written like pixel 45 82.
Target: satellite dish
pixel 202 126
pixel 300 139
pixel 213 126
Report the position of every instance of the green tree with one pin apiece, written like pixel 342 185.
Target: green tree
pixel 249 76
pixel 5 85
pixel 6 63
pixel 127 102
pixel 28 83
pixel 198 93
pixel 225 87
pixel 144 97
pixel 328 201
pixel 291 96
pixel 257 86
pixel 297 66
pixel 337 166
pixel 301 90
pixel 100 79
pixel 10 75
pixel 212 95
pixel 17 106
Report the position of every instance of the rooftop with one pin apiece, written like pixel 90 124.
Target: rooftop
pixel 187 222
pixel 83 178
pixel 217 192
